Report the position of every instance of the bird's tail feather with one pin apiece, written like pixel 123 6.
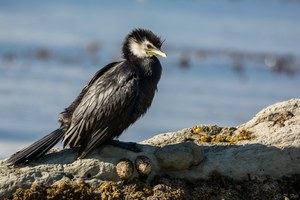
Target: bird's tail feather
pixel 36 149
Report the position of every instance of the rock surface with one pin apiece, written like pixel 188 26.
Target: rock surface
pixel 274 151
pixel 181 156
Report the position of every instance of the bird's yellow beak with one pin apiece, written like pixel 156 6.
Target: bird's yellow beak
pixel 156 52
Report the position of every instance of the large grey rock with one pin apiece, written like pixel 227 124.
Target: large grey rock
pixel 277 125
pixel 99 166
pixel 179 156
pixel 274 152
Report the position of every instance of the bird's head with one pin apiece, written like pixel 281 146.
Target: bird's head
pixel 141 43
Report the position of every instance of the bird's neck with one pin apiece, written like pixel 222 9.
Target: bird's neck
pixel 145 65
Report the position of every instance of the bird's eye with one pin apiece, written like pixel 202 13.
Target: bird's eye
pixel 149 46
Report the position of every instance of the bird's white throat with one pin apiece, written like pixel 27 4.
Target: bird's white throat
pixel 138 49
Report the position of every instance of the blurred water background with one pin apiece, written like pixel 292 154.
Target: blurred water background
pixel 227 60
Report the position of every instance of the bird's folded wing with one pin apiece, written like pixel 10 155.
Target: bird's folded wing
pixel 103 110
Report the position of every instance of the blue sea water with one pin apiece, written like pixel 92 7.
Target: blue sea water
pixel 218 86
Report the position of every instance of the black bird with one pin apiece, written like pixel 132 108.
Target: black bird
pixel 115 97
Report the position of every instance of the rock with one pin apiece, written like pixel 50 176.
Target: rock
pixel 277 125
pixel 273 150
pixel 170 138
pixel 179 156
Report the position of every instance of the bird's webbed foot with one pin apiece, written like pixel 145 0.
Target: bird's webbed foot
pixel 130 146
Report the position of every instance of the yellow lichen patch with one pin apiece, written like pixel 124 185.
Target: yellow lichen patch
pixel 215 134
pixel 205 138
pixel 110 191
pixel 241 135
pixel 196 130
pixel 245 135
pixel 233 140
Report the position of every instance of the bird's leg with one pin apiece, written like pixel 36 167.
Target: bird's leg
pixel 130 146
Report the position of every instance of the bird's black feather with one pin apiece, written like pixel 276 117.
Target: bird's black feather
pixel 36 149
pixel 115 97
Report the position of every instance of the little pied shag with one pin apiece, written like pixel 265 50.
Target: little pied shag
pixel 115 98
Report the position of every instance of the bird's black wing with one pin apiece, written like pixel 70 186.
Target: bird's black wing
pixel 104 108
pixel 68 111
